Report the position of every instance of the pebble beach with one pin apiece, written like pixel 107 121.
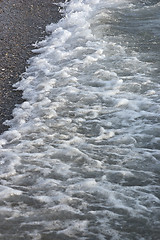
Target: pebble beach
pixel 22 23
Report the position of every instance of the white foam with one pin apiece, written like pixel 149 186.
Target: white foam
pixel 81 144
pixel 6 192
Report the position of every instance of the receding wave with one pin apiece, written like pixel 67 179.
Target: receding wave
pixel 81 157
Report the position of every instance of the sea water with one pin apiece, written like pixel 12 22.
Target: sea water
pixel 81 157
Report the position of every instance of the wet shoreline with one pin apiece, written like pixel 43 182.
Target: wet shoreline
pixel 22 23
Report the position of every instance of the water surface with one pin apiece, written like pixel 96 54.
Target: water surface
pixel 81 158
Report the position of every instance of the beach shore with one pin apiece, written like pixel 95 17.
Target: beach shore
pixel 22 23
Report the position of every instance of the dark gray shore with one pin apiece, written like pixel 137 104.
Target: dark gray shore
pixel 22 23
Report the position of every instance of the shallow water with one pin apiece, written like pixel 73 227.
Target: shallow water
pixel 81 158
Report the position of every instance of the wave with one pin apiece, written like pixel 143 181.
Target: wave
pixel 81 157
